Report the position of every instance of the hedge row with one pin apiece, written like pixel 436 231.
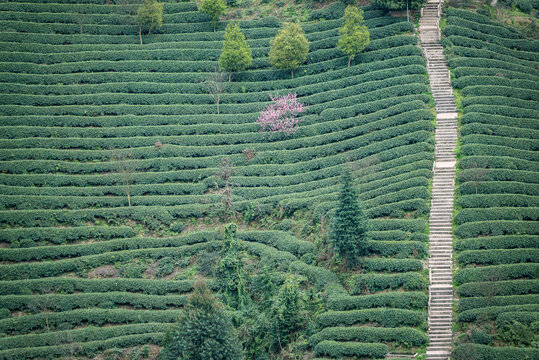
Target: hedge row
pixel 346 98
pixel 497 256
pixel 500 49
pixel 466 81
pixel 97 317
pixel 498 130
pixel 484 302
pixel 46 269
pixel 491 312
pixel 411 281
pixel 487 150
pixel 497 227
pixel 498 242
pixel 497 273
pixel 516 143
pixel 499 288
pixel 483 62
pixel 399 124
pixel 270 175
pixel 348 349
pixel 484 352
pixel 523 317
pixel 484 26
pixel 504 110
pixel 465 71
pixel 401 336
pixel 381 316
pixel 75 285
pixel 90 348
pixel 60 303
pixel 495 187
pixel 80 335
pixel 280 240
pixel 485 217
pixel 402 300
pixel 63 235
pixel 85 7
pixel 468 52
pixel 474 118
pixel 497 200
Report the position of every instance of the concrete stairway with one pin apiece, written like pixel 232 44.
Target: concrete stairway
pixel 440 223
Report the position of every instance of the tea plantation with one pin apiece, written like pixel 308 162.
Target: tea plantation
pixel 89 116
pixel 120 177
pixel 496 72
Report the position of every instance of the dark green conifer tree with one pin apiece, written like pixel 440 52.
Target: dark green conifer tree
pixel 348 230
pixel 203 331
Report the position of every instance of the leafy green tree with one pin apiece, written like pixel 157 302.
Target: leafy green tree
pixel 149 16
pixel 203 331
pixel 230 271
pixel 399 4
pixel 348 230
pixel 236 55
pixel 286 313
pixel 289 48
pixel 355 36
pixel 214 8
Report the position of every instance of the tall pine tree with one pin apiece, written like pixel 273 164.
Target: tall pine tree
pixel 203 330
pixel 355 36
pixel 236 55
pixel 348 230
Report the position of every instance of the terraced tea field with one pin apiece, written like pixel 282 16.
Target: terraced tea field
pixel 88 116
pixel 496 71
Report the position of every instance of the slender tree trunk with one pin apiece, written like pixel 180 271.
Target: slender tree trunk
pixel 292 71
pixel 140 34
pixel 218 106
pixel 349 60
pixel 230 76
pixel 81 29
pixel 128 192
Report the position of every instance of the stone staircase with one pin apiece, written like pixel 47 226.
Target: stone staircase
pixel 440 222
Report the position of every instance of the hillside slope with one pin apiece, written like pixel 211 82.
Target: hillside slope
pixel 71 104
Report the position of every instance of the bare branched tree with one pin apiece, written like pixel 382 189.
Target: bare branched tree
pixel 81 19
pixel 67 344
pixel 42 304
pixel 129 7
pixel 249 154
pixel 475 171
pixel 126 167
pixel 216 85
pixel 226 169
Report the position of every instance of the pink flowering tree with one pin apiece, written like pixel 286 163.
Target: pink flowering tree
pixel 281 115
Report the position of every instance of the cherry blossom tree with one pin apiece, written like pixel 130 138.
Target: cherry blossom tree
pixel 281 115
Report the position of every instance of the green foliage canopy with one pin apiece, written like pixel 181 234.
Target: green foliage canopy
pixel 236 55
pixel 399 4
pixel 203 330
pixel 289 48
pixel 149 16
pixel 348 229
pixel 286 315
pixel 354 36
pixel 214 8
